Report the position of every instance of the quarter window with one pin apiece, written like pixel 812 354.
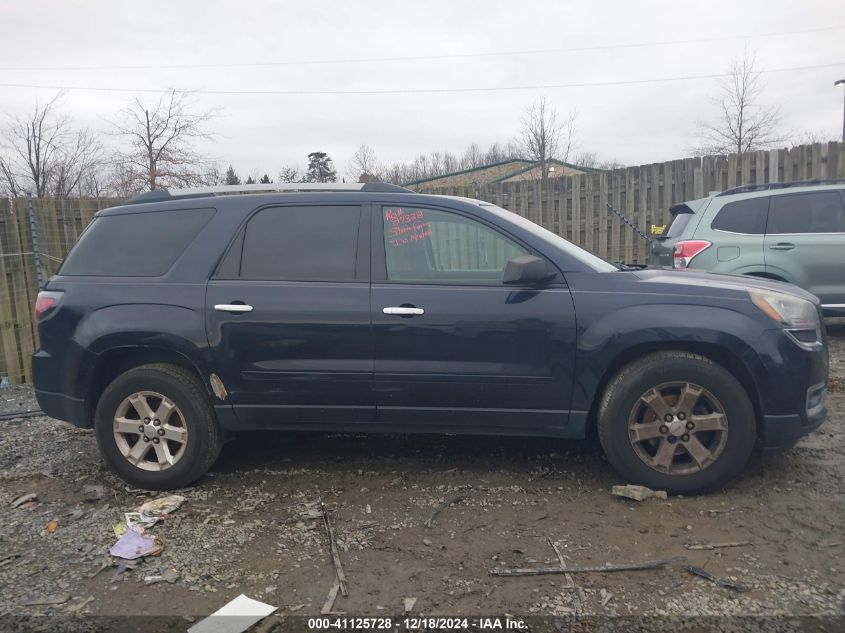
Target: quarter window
pixel 427 245
pixel 819 212
pixel 135 244
pixel 301 244
pixel 744 216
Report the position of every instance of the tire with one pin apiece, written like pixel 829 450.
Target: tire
pixel 191 439
pixel 628 412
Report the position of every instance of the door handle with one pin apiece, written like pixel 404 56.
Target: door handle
pixel 233 307
pixel 403 311
pixel 782 246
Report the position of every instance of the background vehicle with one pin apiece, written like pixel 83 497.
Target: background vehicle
pixel 792 232
pixel 178 318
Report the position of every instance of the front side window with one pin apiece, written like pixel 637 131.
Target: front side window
pixel 743 216
pixel 427 245
pixel 301 244
pixel 818 212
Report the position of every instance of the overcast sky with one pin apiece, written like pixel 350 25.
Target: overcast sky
pixel 634 123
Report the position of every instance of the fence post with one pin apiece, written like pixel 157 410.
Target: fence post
pixel 33 231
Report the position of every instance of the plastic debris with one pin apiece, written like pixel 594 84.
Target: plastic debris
pixel 25 500
pixel 408 604
pixel 162 506
pixel 638 493
pixel 138 521
pixel 234 617
pixel 133 544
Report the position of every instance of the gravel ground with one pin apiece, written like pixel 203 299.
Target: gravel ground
pixel 247 528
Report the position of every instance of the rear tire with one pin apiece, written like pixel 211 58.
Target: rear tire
pixel 676 421
pixel 156 428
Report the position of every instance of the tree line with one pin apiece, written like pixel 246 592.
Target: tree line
pixel 155 145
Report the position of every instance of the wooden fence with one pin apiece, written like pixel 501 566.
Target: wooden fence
pixel 573 207
pixel 58 224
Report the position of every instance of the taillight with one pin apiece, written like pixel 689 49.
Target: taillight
pixel 46 302
pixel 685 250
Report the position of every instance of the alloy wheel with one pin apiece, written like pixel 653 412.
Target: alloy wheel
pixel 150 431
pixel 678 428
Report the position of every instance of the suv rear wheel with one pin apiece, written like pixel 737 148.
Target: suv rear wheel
pixel 678 422
pixel 156 428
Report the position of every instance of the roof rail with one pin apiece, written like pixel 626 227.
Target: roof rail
pixel 216 190
pixel 782 185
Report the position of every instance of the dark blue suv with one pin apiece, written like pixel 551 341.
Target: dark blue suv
pixel 179 318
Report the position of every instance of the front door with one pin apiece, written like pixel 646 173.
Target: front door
pixel 288 318
pixel 805 238
pixel 455 348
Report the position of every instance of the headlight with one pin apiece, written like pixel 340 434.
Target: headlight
pixel 798 317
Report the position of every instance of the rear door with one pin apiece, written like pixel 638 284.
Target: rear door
pixel 736 232
pixel 288 317
pixel 456 349
pixel 805 242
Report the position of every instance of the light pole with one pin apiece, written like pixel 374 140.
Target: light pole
pixel 841 82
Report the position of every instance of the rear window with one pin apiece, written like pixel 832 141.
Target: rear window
pixel 135 244
pixel 679 222
pixel 820 212
pixel 744 216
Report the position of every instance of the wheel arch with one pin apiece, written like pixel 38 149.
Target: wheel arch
pixel 717 354
pixel 109 364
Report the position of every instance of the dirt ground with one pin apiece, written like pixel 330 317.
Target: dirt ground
pixel 246 528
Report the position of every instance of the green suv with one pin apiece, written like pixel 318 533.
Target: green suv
pixel 792 232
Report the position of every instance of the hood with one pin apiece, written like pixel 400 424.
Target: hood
pixel 717 281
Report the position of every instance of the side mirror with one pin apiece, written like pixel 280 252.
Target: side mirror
pixel 526 270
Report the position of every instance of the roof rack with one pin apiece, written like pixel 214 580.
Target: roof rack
pixel 782 185
pixel 160 195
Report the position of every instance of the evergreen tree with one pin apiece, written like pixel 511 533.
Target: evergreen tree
pixel 320 168
pixel 265 180
pixel 249 181
pixel 231 177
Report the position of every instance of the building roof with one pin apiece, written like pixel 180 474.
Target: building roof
pixel 506 171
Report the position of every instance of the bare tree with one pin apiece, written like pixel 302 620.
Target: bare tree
pixel 8 180
pixel 48 155
pixel 78 159
pixel 473 157
pixel 744 123
pixel 290 174
pixel 35 145
pixel 364 166
pixel 545 135
pixel 161 138
pixel 810 137
pixel 591 159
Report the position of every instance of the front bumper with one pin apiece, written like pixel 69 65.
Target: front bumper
pixel 783 431
pixel 791 385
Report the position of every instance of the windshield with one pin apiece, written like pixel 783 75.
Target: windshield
pixel 586 257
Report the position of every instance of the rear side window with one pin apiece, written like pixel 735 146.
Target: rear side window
pixel 744 216
pixel 302 244
pixel 135 244
pixel 819 212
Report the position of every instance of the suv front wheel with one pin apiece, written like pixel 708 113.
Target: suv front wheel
pixel 156 428
pixel 676 421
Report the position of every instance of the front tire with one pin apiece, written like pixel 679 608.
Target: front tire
pixel 156 428
pixel 676 421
